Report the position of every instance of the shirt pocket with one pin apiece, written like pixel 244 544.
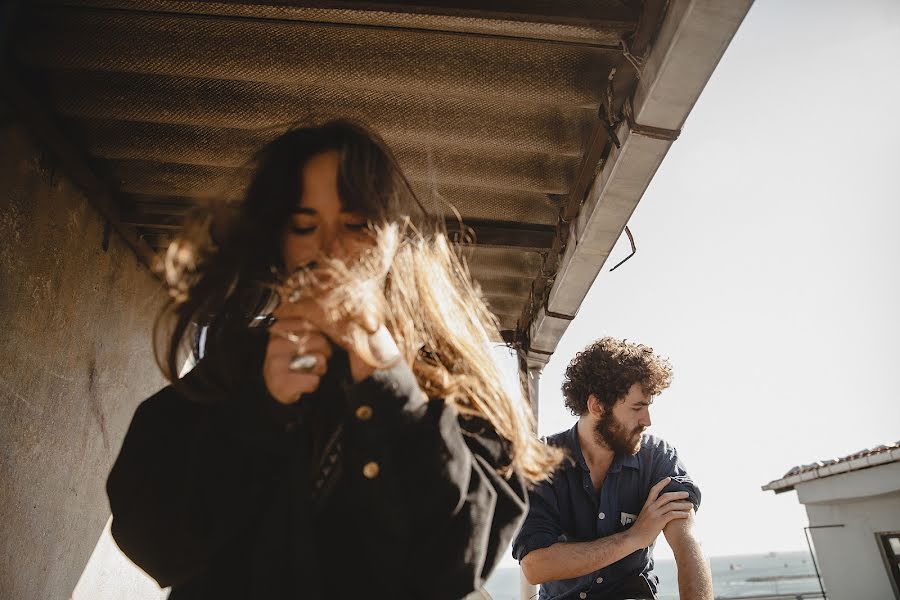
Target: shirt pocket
pixel 626 518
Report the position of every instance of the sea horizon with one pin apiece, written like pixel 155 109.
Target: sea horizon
pixel 734 576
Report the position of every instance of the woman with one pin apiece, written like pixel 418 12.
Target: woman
pixel 352 442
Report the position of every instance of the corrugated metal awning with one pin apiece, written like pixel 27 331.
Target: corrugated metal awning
pixel 503 110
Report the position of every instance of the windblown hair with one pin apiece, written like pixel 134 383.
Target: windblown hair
pixel 228 264
pixel 608 368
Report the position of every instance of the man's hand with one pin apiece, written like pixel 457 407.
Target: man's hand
pixel 658 511
pixel 566 560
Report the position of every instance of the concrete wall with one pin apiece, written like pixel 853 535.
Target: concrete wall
pixel 75 360
pixel 850 557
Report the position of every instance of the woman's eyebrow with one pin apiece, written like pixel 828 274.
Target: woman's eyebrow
pixel 303 210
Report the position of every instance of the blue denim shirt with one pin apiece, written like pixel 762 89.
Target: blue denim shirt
pixel 567 509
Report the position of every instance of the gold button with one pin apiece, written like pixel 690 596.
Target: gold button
pixel 364 412
pixel 371 470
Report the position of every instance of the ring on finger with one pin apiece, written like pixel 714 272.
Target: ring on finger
pixel 294 338
pixel 302 363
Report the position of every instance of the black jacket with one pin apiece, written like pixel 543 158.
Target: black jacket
pixel 365 490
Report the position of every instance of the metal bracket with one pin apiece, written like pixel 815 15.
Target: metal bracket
pixel 603 115
pixel 536 351
pixel 556 315
pixel 633 250
pixel 657 133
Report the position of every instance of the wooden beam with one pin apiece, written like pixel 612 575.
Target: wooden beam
pixel 515 287
pixel 135 204
pixel 485 233
pixel 71 161
pixel 157 240
pixel 153 223
pixel 505 234
pixel 504 305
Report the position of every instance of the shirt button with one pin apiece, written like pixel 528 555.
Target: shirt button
pixel 582 595
pixel 371 470
pixel 364 412
pixel 599 580
pixel 602 515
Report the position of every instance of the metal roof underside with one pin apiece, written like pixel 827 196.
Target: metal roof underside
pixel 491 107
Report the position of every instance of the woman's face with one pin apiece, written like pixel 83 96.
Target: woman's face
pixel 320 224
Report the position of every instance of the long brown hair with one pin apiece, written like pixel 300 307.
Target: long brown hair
pixel 229 265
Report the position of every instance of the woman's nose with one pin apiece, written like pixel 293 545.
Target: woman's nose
pixel 334 244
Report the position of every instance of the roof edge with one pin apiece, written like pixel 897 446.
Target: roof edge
pixel 789 482
pixel 692 39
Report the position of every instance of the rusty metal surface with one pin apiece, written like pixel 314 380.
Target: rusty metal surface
pixel 590 22
pixel 491 108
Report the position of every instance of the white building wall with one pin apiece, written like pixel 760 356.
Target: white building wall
pixel 850 557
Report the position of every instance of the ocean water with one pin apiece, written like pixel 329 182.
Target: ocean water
pixel 733 576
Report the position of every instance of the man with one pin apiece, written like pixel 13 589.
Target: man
pixel 590 530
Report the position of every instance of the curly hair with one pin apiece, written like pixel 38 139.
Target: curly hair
pixel 608 368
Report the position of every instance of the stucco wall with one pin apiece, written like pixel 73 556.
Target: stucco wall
pixel 75 360
pixel 850 557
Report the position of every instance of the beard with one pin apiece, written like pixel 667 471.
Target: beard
pixel 610 432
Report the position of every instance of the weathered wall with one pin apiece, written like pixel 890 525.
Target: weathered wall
pixel 75 360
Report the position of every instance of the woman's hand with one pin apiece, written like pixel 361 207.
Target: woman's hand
pixel 288 338
pixel 302 328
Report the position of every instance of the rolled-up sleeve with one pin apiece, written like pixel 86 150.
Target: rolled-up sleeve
pixel 542 525
pixel 668 464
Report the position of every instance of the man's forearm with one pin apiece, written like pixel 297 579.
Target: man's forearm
pixel 566 560
pixel 694 577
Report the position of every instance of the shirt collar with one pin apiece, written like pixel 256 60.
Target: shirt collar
pixel 622 460
pixel 575 447
pixel 625 460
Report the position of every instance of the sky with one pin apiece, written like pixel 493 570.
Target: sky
pixel 767 267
